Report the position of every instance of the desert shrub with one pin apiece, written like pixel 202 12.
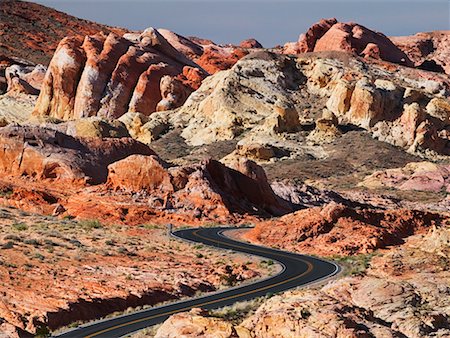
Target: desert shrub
pixel 90 224
pixel 7 245
pixel 355 265
pixel 20 226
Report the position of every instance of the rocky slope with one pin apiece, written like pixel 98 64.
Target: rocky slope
pixel 325 231
pixel 105 173
pixel 57 271
pixel 416 176
pixel 402 294
pixel 32 32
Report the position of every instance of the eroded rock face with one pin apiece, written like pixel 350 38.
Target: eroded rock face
pixel 250 43
pixel 44 154
pixel 87 78
pixel 324 231
pixel 24 79
pixel 195 323
pixel 429 51
pixel 139 172
pixel 209 187
pixel 331 35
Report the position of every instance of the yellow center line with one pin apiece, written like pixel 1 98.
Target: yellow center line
pixel 310 267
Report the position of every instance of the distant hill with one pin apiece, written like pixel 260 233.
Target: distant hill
pixel 32 31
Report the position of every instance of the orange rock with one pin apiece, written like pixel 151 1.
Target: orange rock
pixel 147 93
pixel 307 41
pixel 428 50
pixel 250 43
pixel 102 55
pixel 57 97
pixel 325 231
pixel 215 58
pixel 44 154
pixel 139 172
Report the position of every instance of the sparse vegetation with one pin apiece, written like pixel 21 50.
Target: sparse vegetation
pixel 90 224
pixel 20 226
pixel 354 265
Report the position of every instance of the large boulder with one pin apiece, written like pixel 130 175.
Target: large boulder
pixel 139 172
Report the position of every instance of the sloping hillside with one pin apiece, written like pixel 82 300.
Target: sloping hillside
pixel 32 32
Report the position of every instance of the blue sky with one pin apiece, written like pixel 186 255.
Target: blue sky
pixel 270 22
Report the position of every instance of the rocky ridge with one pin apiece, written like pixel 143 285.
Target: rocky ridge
pixel 324 230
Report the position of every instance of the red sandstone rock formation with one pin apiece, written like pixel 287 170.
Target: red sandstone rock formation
pixel 331 35
pixel 215 58
pixel 429 51
pixel 209 187
pixel 34 159
pixel 250 43
pixel 110 75
pixel 43 154
pixel 335 229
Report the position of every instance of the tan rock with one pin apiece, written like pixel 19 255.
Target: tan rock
pixel 138 172
pixel 173 93
pixel 326 128
pixel 143 128
pixel 439 108
pixel 96 127
pixel 366 104
pixel 339 101
pixel 191 324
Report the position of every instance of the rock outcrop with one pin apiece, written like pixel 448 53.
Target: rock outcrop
pixel 324 231
pixel 209 187
pixel 24 79
pixel 87 78
pixel 270 101
pixel 331 35
pixel 136 184
pixel 44 154
pixel 429 51
pixel 420 176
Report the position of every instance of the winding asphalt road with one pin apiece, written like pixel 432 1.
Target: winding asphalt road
pixel 297 270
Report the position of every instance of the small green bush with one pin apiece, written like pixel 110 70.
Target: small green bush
pixel 20 226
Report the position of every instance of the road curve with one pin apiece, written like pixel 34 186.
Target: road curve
pixel 298 270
